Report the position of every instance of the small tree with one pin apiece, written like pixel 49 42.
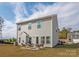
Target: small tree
pixel 63 33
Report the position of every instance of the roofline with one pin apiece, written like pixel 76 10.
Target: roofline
pixel 36 19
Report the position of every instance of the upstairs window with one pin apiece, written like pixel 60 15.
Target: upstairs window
pixel 19 27
pixel 29 26
pixel 39 24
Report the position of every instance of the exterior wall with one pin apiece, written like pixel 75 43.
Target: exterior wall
pixel 49 27
pixel 54 30
pixel 75 40
pixel 73 36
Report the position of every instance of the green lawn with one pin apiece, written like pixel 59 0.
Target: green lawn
pixel 68 46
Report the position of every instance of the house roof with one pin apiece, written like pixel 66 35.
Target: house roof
pixel 34 19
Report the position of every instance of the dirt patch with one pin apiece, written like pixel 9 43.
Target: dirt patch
pixel 11 50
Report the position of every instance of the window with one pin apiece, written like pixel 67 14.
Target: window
pixel 30 40
pixel 37 38
pixel 23 41
pixel 19 27
pixel 29 26
pixel 43 40
pixel 38 24
pixel 42 37
pixel 48 39
pixel 27 39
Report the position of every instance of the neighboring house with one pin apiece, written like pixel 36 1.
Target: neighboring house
pixel 68 39
pixel 42 30
pixel 74 37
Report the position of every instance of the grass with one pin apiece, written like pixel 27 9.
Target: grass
pixel 11 51
pixel 68 46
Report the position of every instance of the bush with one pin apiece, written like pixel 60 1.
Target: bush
pixel 10 40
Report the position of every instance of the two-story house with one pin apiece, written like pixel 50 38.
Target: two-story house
pixel 42 30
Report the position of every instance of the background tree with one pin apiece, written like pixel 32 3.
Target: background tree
pixel 63 33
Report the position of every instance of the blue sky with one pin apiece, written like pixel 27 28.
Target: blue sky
pixel 12 12
pixel 6 9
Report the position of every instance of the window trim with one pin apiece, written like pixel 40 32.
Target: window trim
pixel 30 26
pixel 37 40
pixel 43 40
pixel 39 25
pixel 48 39
pixel 19 27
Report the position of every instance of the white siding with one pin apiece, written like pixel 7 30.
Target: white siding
pixel 48 28
pixel 54 30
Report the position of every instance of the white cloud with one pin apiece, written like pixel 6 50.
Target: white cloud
pixel 9 29
pixel 19 11
pixel 70 16
pixel 68 13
